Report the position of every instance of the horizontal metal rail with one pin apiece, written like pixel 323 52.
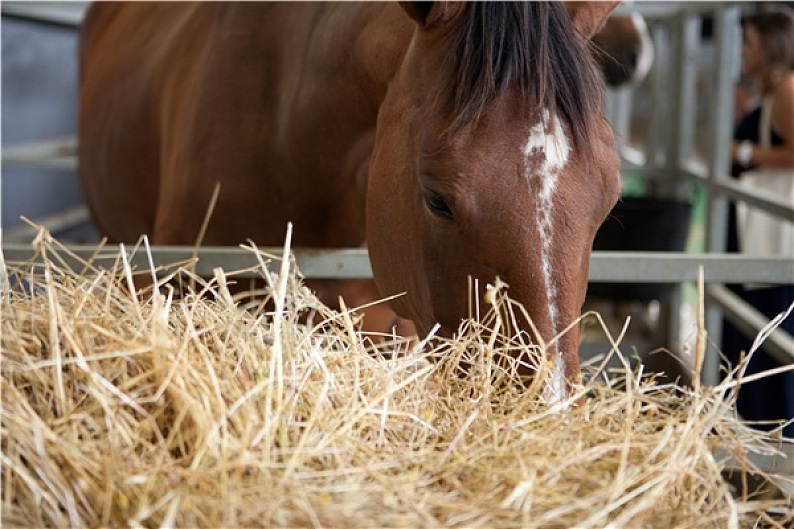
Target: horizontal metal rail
pixel 676 267
pixel 613 267
pixel 697 172
pixel 60 153
pixel 732 189
pixel 69 14
pixel 779 344
pixel 342 263
pixel 664 10
pixel 55 223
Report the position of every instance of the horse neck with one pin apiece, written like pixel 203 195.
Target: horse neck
pixel 353 52
pixel 342 57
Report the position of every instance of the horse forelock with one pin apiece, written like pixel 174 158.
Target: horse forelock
pixel 532 46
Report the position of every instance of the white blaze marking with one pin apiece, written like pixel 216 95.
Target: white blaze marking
pixel 548 138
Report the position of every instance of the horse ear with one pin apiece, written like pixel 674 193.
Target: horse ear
pixel 431 14
pixel 588 16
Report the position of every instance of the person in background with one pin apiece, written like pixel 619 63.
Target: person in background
pixel 767 76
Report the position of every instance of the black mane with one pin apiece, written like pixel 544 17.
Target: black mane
pixel 531 45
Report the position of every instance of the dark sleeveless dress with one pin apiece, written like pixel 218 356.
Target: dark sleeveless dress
pixel 771 398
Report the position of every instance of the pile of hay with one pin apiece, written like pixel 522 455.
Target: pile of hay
pixel 125 410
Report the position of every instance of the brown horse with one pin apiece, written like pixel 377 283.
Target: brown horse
pixel 473 131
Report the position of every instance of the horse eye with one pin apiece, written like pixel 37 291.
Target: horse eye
pixel 437 205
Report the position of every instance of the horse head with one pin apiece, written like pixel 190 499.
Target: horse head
pixel 491 158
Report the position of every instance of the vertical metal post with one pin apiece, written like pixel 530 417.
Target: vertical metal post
pixel 685 62
pixel 680 136
pixel 610 108
pixel 721 118
pixel 658 120
pixel 621 114
pixel 727 39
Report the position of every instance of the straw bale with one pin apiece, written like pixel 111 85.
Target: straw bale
pixel 124 409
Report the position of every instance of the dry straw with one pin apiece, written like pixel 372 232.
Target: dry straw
pixel 159 410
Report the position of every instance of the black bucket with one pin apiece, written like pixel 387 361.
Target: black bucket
pixel 645 225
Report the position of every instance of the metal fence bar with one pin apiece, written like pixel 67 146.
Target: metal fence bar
pixel 675 267
pixel 719 187
pixel 68 14
pixel 684 62
pixel 345 263
pixel 59 153
pixel 62 220
pixel 720 128
pixel 730 188
pixel 613 267
pixel 726 38
pixel 664 9
pixel 779 344
pixel 659 82
pixel 760 198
